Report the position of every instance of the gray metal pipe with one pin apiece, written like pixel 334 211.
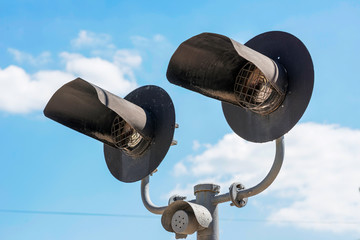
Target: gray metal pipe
pixel 205 193
pixel 145 196
pixel 206 196
pixel 265 183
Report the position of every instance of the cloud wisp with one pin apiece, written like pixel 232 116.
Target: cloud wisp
pixel 24 92
pixel 23 57
pixel 87 39
pixel 318 184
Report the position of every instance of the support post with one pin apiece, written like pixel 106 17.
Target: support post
pixel 145 196
pixel 201 214
pixel 205 194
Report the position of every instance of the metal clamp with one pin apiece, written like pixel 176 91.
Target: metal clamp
pixel 234 190
pixel 175 198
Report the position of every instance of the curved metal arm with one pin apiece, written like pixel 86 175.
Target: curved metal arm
pixel 145 196
pixel 265 183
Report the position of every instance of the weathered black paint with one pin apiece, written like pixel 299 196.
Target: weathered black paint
pixel 290 52
pixel 159 105
pixel 91 110
pixel 209 63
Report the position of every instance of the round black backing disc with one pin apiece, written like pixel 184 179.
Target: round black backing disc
pixel 158 104
pixel 289 51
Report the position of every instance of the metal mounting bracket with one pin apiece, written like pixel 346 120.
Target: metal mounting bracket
pixel 238 194
pixel 201 214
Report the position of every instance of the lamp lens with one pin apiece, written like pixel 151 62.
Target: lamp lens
pixel 126 138
pixel 254 92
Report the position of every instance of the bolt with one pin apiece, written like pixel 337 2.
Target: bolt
pixel 240 187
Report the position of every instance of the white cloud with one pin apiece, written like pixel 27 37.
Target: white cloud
pixel 23 57
pixel 87 39
pixel 196 145
pixel 116 78
pixel 98 44
pixel 125 57
pixel 229 156
pixel 23 92
pixel 157 43
pixel 319 181
pixel 180 169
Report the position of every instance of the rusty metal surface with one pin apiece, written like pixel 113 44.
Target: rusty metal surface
pixel 127 138
pixel 255 92
pixel 206 187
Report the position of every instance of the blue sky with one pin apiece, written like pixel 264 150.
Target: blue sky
pixel 121 45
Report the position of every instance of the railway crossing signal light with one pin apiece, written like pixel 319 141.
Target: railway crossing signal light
pixel 264 85
pixel 137 131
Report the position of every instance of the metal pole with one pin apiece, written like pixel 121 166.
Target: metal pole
pixel 266 182
pixel 145 196
pixel 205 194
pixel 204 208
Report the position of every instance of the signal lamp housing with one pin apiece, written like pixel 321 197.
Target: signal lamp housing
pixel 137 131
pixel 264 85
